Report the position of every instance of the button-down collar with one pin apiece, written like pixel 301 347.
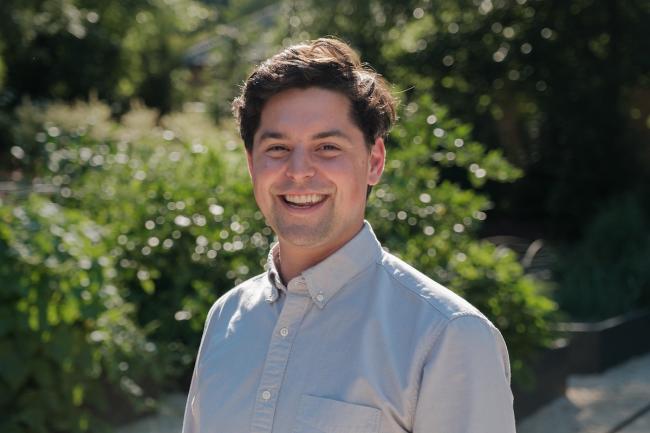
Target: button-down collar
pixel 272 290
pixel 326 278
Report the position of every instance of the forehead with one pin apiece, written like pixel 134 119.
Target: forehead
pixel 307 108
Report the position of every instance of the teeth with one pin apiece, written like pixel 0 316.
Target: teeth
pixel 304 198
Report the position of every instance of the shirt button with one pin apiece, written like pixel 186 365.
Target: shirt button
pixel 320 297
pixel 266 395
pixel 284 332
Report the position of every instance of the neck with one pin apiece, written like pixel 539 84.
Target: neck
pixel 294 259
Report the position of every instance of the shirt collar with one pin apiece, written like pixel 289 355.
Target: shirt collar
pixel 326 278
pixel 272 294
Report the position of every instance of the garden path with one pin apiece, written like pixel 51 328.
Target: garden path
pixel 617 401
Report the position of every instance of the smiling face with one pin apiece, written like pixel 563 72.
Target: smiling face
pixel 310 168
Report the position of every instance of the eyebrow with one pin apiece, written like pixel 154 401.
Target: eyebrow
pixel 275 135
pixel 331 133
pixel 272 135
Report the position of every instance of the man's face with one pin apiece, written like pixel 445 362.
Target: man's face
pixel 310 168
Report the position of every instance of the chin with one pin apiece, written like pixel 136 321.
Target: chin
pixel 304 235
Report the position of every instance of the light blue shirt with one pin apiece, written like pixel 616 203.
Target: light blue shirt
pixel 359 343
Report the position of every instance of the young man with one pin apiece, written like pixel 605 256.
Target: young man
pixel 338 335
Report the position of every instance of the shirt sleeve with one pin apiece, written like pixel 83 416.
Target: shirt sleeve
pixel 190 418
pixel 465 384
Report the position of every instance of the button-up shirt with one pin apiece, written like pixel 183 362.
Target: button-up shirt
pixel 359 343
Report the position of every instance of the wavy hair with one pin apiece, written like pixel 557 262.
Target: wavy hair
pixel 328 63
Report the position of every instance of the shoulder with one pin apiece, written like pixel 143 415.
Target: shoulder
pixel 243 295
pixel 452 328
pixel 428 292
pixel 461 332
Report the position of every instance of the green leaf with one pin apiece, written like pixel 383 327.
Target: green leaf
pixel 14 366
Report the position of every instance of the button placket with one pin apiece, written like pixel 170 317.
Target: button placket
pixel 277 357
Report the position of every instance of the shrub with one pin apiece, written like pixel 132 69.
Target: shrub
pixel 175 194
pixel 70 352
pixel 608 272
pixel 426 212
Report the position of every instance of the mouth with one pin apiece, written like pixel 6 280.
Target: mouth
pixel 302 201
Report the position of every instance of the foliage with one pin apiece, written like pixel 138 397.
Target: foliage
pixel 558 86
pixel 248 32
pixel 522 72
pixel 608 272
pixel 175 195
pixel 67 49
pixel 425 212
pixel 70 352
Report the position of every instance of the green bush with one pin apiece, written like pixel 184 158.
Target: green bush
pixel 608 272
pixel 176 196
pixel 556 86
pixel 70 353
pixel 129 49
pixel 426 211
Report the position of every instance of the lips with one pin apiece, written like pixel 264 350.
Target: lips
pixel 303 200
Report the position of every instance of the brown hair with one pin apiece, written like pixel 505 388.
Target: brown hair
pixel 327 63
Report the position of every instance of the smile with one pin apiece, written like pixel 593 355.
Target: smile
pixel 303 200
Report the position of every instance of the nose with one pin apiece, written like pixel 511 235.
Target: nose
pixel 300 166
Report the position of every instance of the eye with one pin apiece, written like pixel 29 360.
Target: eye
pixel 329 148
pixel 276 150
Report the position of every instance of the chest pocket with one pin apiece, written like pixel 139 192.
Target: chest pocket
pixel 323 415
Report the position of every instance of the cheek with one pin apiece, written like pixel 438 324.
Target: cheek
pixel 352 176
pixel 264 170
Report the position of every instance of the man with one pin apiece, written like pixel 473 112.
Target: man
pixel 337 336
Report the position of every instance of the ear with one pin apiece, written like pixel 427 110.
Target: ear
pixel 376 161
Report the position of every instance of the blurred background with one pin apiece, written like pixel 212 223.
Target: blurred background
pixel 518 176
